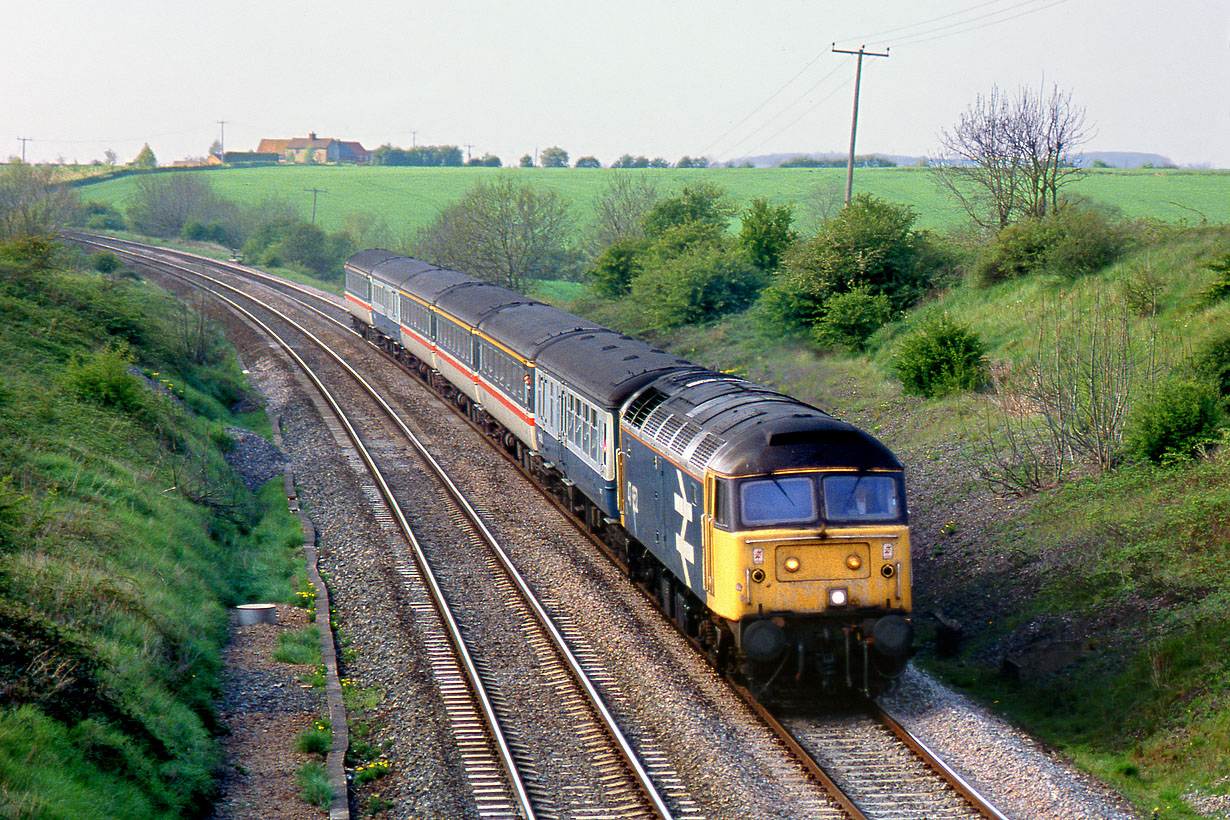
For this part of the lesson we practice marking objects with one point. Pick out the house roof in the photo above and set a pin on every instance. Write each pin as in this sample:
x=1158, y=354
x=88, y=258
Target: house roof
x=272, y=146
x=299, y=143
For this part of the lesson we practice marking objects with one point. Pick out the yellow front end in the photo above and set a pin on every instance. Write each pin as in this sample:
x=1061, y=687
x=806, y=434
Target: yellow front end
x=829, y=571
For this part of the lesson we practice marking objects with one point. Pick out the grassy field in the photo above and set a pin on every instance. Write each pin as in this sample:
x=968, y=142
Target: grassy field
x=407, y=198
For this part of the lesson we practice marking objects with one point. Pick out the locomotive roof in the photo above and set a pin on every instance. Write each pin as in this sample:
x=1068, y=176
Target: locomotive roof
x=366, y=260
x=606, y=366
x=528, y=327
x=736, y=427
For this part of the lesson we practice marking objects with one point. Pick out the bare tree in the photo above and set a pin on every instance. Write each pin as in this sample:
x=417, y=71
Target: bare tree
x=32, y=203
x=505, y=231
x=1066, y=408
x=1008, y=156
x=823, y=202
x=619, y=210
x=161, y=205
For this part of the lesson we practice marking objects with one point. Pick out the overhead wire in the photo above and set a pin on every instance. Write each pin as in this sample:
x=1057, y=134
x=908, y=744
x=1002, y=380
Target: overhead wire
x=915, y=34
x=789, y=106
x=925, y=39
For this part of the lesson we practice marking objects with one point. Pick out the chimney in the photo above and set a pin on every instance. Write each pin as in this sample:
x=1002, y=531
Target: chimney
x=312, y=135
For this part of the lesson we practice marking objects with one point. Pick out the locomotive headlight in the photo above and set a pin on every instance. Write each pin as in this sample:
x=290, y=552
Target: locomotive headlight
x=792, y=564
x=838, y=597
x=854, y=562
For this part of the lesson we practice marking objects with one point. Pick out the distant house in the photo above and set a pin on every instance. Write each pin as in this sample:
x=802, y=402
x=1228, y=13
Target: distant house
x=311, y=149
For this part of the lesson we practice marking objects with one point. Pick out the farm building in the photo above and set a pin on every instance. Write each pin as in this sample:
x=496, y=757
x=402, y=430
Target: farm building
x=312, y=149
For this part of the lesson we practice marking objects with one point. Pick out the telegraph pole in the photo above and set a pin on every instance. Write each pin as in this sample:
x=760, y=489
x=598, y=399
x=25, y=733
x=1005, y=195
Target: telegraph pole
x=315, y=191
x=858, y=76
x=23, y=141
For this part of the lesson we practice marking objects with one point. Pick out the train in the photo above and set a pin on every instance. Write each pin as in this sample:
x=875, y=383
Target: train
x=773, y=534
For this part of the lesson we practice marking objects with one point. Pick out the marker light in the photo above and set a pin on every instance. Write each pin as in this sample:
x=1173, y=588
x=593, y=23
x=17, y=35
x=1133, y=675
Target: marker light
x=838, y=597
x=854, y=562
x=792, y=565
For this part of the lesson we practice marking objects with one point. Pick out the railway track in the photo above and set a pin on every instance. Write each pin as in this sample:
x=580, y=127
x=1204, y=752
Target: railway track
x=868, y=762
x=506, y=775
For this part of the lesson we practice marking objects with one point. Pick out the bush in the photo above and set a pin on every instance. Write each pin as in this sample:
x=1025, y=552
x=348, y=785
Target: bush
x=939, y=358
x=1070, y=242
x=871, y=244
x=105, y=262
x=849, y=319
x=697, y=287
x=103, y=378
x=198, y=231
x=1213, y=361
x=1219, y=288
x=616, y=267
x=1176, y=422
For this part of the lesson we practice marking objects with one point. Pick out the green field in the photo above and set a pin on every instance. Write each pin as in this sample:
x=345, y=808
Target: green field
x=407, y=198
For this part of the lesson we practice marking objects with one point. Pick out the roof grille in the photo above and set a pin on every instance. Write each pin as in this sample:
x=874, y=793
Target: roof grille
x=672, y=426
x=655, y=421
x=644, y=404
x=709, y=445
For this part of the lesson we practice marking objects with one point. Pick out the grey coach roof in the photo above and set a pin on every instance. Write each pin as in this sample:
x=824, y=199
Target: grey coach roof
x=366, y=260
x=471, y=301
x=605, y=365
x=528, y=327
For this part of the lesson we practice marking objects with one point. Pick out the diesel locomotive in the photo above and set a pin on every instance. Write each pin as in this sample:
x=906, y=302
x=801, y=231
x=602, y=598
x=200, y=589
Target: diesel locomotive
x=773, y=534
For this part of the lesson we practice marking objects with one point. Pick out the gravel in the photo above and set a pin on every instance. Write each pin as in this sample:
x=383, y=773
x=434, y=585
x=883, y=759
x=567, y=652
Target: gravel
x=1021, y=776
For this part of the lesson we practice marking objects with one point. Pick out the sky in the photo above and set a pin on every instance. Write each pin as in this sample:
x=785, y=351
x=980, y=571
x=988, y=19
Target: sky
x=727, y=79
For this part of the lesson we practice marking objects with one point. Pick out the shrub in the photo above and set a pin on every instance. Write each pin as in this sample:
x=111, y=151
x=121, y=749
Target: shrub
x=1219, y=288
x=939, y=358
x=698, y=286
x=1213, y=361
x=198, y=231
x=871, y=244
x=849, y=319
x=100, y=216
x=103, y=378
x=1175, y=422
x=616, y=267
x=1071, y=242
x=105, y=262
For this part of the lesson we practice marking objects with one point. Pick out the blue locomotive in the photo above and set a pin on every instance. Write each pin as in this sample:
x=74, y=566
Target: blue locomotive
x=772, y=533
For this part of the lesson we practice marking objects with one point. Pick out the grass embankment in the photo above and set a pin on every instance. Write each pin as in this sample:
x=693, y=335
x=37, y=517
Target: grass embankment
x=407, y=199
x=1107, y=593
x=124, y=537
